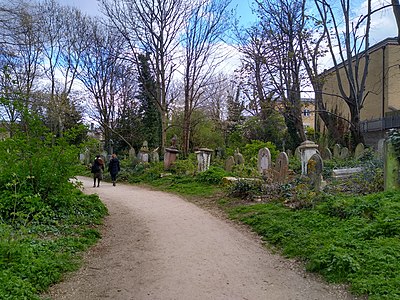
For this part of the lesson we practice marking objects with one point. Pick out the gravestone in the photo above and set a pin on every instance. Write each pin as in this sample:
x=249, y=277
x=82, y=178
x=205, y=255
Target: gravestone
x=307, y=149
x=143, y=154
x=239, y=159
x=326, y=154
x=336, y=150
x=203, y=159
x=289, y=153
x=281, y=167
x=229, y=163
x=170, y=154
x=315, y=166
x=391, y=168
x=264, y=161
x=359, y=151
x=154, y=156
x=297, y=153
x=132, y=153
x=381, y=147
x=344, y=153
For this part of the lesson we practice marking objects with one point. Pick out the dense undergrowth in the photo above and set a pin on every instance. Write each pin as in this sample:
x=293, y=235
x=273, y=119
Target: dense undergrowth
x=46, y=222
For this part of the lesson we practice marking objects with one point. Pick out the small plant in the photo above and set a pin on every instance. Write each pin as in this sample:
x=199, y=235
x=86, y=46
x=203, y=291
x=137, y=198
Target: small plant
x=245, y=189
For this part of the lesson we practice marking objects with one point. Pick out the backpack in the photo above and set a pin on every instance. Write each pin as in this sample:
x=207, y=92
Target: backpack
x=95, y=168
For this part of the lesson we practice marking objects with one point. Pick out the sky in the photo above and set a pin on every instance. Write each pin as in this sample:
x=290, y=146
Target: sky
x=383, y=23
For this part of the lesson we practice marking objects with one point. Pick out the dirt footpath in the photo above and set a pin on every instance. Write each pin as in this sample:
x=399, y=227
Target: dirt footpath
x=158, y=246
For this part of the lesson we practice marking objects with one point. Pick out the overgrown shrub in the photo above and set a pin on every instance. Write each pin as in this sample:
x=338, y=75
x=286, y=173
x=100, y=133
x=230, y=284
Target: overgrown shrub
x=213, y=175
x=245, y=189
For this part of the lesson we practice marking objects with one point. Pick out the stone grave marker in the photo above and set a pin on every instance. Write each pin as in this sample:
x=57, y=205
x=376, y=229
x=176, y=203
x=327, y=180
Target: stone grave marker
x=336, y=150
x=359, y=151
x=229, y=163
x=203, y=159
x=264, y=161
x=307, y=149
x=381, y=147
x=239, y=159
x=281, y=167
x=326, y=153
x=315, y=166
x=344, y=153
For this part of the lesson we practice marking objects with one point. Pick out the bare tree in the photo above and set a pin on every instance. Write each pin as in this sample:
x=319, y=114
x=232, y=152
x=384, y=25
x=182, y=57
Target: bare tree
x=21, y=47
x=101, y=71
x=152, y=26
x=283, y=24
x=350, y=54
x=205, y=28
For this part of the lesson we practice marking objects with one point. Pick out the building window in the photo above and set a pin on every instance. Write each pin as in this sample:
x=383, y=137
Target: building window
x=306, y=113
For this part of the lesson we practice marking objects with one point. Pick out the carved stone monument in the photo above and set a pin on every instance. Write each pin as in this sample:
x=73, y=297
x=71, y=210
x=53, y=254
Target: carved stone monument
x=307, y=149
x=143, y=154
x=170, y=154
x=264, y=161
x=203, y=159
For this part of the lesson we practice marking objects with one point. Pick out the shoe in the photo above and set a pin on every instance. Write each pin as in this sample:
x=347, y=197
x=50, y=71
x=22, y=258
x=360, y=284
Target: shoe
x=113, y=183
x=98, y=185
x=94, y=186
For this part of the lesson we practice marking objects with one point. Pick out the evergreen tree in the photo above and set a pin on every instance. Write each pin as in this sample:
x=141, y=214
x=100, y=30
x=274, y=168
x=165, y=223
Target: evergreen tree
x=150, y=115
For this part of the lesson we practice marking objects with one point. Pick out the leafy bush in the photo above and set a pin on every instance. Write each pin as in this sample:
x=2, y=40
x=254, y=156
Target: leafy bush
x=213, y=175
x=245, y=189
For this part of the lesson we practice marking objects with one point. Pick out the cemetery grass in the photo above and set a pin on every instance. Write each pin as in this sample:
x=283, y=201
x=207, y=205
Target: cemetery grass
x=36, y=254
x=347, y=239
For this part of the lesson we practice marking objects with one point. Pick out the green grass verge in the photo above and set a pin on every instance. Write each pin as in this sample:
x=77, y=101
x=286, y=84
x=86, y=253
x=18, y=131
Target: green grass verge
x=36, y=255
x=354, y=240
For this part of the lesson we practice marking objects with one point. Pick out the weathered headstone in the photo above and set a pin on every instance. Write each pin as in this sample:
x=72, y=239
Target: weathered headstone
x=315, y=166
x=307, y=149
x=381, y=147
x=344, y=153
x=239, y=159
x=229, y=164
x=359, y=151
x=336, y=150
x=289, y=153
x=391, y=168
x=154, y=156
x=264, y=160
x=170, y=154
x=326, y=153
x=203, y=159
x=143, y=154
x=132, y=153
x=297, y=153
x=281, y=167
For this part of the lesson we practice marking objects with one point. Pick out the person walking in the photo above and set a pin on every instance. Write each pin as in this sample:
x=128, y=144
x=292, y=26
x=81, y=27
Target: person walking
x=97, y=170
x=114, y=168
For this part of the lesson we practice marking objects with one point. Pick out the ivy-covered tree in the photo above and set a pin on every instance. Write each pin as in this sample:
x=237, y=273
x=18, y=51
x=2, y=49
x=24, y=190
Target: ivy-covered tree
x=150, y=116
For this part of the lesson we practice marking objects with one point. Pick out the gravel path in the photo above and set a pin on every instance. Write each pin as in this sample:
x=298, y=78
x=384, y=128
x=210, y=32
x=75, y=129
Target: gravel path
x=158, y=246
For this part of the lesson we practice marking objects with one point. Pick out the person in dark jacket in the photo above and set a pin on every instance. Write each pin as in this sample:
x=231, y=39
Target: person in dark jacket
x=114, y=168
x=97, y=170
